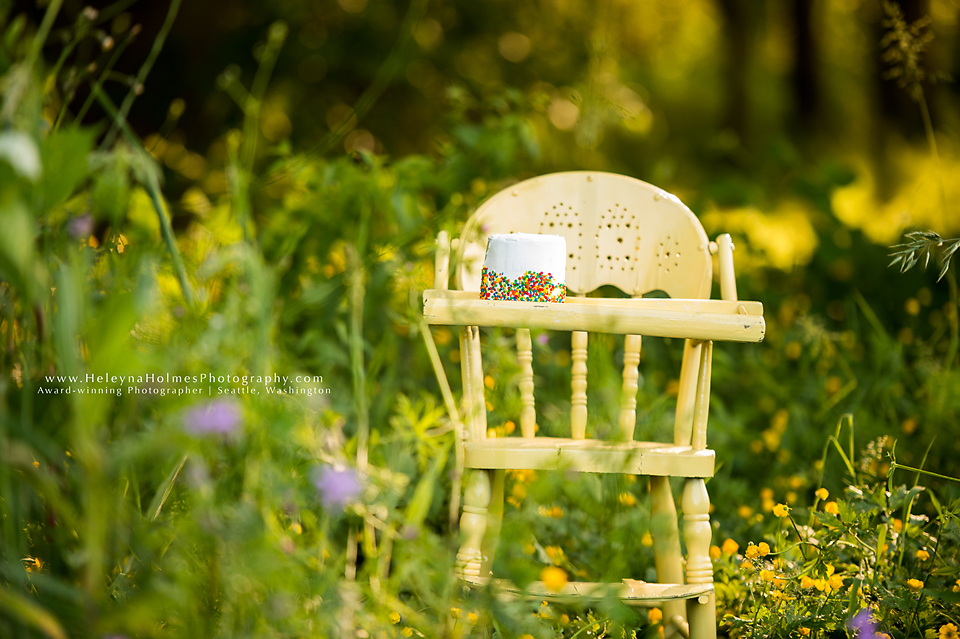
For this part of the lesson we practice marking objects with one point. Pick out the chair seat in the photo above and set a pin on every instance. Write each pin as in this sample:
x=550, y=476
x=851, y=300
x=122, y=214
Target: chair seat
x=630, y=591
x=589, y=456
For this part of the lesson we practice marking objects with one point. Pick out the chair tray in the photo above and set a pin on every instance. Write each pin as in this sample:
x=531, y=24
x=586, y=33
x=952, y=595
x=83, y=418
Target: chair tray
x=630, y=591
x=589, y=456
x=681, y=318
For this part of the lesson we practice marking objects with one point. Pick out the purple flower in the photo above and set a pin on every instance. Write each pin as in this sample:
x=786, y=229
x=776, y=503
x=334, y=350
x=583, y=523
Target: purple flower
x=410, y=532
x=337, y=487
x=219, y=417
x=863, y=624
x=80, y=227
x=542, y=339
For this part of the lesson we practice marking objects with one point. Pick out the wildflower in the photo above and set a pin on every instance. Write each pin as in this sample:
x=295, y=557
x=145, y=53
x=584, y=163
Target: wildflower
x=767, y=575
x=730, y=547
x=337, y=487
x=489, y=382
x=655, y=615
x=863, y=624
x=752, y=552
x=555, y=553
x=822, y=493
x=763, y=548
x=831, y=508
x=81, y=226
x=914, y=584
x=646, y=540
x=455, y=612
x=407, y=631
x=766, y=493
x=835, y=582
x=805, y=632
x=296, y=528
x=519, y=491
x=781, y=510
x=745, y=511
x=956, y=586
x=948, y=631
x=509, y=427
x=923, y=555
x=898, y=525
x=472, y=618
x=564, y=620
x=806, y=582
x=746, y=566
x=527, y=636
x=627, y=499
x=542, y=339
x=553, y=578
x=715, y=552
x=219, y=417
x=394, y=617
x=881, y=635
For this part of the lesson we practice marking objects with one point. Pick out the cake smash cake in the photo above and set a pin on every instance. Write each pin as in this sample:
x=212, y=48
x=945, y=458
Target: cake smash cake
x=525, y=267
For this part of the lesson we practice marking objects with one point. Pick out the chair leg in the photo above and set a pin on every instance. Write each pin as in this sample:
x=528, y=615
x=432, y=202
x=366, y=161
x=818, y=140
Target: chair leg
x=702, y=612
x=666, y=551
x=491, y=538
x=473, y=525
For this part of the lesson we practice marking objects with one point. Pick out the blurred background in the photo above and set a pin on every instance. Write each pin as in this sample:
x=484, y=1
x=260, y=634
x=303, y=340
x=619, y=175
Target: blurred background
x=307, y=153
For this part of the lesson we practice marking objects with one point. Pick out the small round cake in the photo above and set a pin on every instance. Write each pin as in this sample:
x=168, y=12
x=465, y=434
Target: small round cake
x=525, y=267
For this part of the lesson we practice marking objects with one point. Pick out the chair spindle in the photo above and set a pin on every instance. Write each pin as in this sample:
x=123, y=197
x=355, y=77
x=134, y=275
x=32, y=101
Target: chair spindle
x=631, y=375
x=687, y=393
x=528, y=412
x=578, y=400
x=701, y=412
x=471, y=368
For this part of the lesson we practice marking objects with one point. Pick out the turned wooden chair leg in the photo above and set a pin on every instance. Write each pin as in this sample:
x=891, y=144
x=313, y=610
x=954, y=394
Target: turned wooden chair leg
x=666, y=552
x=473, y=526
x=701, y=612
x=491, y=538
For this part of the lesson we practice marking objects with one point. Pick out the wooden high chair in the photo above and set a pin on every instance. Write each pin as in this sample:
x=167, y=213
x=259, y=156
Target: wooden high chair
x=625, y=233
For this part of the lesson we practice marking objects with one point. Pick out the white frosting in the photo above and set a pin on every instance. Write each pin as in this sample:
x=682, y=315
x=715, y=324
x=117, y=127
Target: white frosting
x=514, y=254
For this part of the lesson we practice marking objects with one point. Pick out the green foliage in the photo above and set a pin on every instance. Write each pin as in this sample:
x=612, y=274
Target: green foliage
x=149, y=513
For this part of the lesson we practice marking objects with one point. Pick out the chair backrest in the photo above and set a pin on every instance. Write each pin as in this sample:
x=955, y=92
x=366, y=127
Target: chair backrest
x=619, y=231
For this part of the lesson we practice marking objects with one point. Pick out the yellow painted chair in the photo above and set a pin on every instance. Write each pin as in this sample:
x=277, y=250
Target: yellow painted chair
x=625, y=233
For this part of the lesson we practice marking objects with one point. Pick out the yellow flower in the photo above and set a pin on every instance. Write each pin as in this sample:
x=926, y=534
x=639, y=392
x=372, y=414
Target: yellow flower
x=394, y=617
x=553, y=578
x=781, y=510
x=923, y=555
x=526, y=636
x=767, y=575
x=835, y=581
x=472, y=618
x=455, y=613
x=898, y=525
x=646, y=540
x=764, y=548
x=627, y=499
x=956, y=587
x=564, y=620
x=948, y=631
x=556, y=512
x=730, y=547
x=831, y=508
x=555, y=553
x=753, y=551
x=509, y=427
x=914, y=584
x=746, y=566
x=655, y=615
x=407, y=631
x=881, y=635
x=519, y=491
x=805, y=632
x=489, y=382
x=806, y=582
x=745, y=511
x=822, y=493
x=715, y=552
x=296, y=528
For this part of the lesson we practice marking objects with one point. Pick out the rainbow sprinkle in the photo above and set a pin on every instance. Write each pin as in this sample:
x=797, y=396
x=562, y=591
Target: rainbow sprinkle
x=529, y=287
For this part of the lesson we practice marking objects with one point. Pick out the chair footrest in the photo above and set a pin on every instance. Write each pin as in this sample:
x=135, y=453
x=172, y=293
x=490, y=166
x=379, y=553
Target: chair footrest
x=630, y=591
